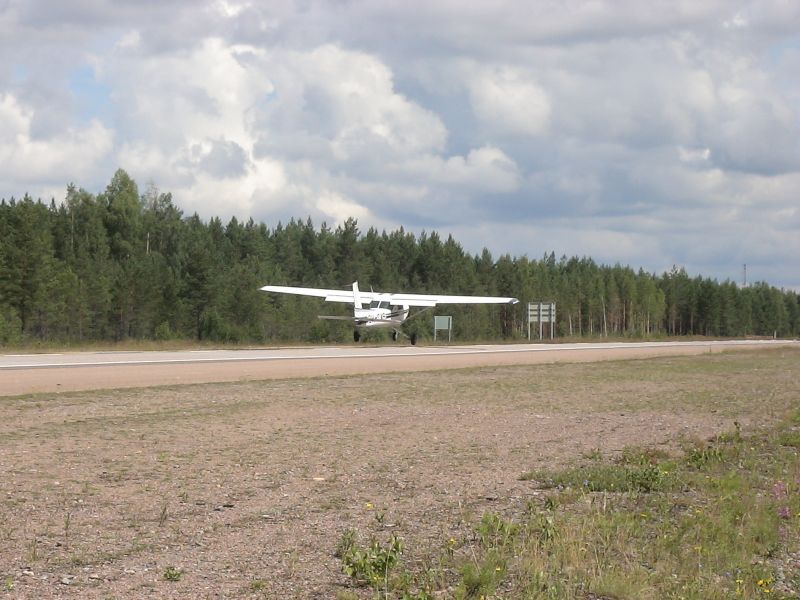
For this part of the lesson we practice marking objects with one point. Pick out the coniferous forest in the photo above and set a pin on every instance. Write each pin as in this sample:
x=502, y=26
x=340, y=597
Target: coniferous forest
x=128, y=265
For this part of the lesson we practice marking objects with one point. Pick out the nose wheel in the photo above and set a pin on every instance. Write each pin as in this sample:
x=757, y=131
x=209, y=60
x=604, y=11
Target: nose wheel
x=395, y=335
x=413, y=339
x=356, y=335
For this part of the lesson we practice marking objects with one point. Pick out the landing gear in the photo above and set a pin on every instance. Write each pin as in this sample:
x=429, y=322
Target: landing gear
x=356, y=336
x=413, y=338
x=395, y=335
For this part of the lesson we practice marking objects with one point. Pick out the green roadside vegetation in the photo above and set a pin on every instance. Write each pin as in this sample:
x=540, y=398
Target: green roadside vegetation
x=720, y=520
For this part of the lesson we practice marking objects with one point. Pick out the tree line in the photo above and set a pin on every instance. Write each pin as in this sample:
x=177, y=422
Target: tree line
x=128, y=265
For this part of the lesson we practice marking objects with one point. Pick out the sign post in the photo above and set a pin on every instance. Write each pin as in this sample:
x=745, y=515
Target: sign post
x=542, y=312
x=441, y=323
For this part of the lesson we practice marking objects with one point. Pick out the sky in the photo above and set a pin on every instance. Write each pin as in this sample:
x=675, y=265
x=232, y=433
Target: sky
x=650, y=134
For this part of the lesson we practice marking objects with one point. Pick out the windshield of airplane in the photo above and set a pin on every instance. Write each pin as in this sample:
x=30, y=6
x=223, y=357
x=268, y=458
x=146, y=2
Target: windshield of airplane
x=377, y=304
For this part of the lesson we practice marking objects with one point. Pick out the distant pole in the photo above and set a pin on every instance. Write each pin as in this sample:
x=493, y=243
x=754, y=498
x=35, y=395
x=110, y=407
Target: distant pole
x=744, y=284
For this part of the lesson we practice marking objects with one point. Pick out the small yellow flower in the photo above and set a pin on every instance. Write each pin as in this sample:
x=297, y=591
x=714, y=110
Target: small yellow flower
x=370, y=506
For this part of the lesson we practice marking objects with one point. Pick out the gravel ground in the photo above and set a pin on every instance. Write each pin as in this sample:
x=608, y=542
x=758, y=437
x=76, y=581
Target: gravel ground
x=247, y=488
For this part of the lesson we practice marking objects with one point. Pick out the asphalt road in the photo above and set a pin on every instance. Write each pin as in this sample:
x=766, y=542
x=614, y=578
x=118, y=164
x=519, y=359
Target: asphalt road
x=36, y=373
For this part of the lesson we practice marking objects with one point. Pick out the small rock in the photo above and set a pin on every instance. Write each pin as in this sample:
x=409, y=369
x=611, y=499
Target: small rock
x=66, y=580
x=28, y=573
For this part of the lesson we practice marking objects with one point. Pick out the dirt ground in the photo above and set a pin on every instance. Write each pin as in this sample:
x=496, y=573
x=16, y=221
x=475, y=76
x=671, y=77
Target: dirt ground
x=247, y=488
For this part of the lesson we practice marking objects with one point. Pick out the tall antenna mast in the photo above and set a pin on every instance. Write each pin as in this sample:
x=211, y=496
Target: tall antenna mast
x=745, y=276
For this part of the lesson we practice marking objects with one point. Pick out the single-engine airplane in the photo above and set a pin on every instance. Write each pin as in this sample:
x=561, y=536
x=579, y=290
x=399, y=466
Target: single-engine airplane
x=385, y=310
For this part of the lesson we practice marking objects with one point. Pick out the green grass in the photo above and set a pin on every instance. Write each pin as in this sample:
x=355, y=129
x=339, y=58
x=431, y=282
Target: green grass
x=172, y=574
x=720, y=521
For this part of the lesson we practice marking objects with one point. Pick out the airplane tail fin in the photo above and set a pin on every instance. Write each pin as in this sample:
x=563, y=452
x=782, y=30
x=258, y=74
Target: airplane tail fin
x=356, y=295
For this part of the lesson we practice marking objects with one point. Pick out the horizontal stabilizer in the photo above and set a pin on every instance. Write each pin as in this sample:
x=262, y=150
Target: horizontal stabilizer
x=336, y=318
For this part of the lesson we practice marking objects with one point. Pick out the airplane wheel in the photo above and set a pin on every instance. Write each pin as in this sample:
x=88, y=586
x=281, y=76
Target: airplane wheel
x=413, y=339
x=356, y=336
x=394, y=336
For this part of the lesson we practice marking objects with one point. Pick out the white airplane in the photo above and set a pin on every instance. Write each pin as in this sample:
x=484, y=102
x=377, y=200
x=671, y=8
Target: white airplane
x=385, y=310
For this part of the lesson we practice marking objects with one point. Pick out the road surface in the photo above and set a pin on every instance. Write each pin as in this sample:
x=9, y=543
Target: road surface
x=38, y=373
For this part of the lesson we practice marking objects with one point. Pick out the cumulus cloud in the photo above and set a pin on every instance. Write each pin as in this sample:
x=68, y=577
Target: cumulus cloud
x=509, y=101
x=650, y=133
x=28, y=160
x=344, y=106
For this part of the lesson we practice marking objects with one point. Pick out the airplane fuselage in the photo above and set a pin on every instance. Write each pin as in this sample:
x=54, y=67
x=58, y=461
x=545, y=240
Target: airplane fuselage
x=381, y=313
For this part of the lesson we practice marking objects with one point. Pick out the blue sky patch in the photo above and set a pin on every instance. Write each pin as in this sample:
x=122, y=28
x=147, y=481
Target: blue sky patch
x=92, y=97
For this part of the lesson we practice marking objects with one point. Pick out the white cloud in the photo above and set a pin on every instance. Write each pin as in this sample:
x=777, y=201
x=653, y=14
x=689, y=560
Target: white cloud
x=693, y=155
x=345, y=104
x=650, y=133
x=509, y=101
x=338, y=209
x=132, y=39
x=62, y=157
x=485, y=169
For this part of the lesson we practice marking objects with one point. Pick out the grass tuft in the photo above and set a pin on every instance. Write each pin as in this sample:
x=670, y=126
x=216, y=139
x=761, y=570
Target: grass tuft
x=722, y=521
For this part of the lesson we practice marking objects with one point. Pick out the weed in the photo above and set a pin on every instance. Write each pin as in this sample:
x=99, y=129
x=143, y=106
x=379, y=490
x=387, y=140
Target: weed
x=346, y=543
x=173, y=574
x=715, y=524
x=607, y=478
x=162, y=518
x=702, y=457
x=545, y=527
x=480, y=579
x=371, y=565
x=258, y=585
x=496, y=532
x=420, y=595
x=33, y=554
x=641, y=457
x=67, y=522
x=731, y=437
x=593, y=454
x=789, y=438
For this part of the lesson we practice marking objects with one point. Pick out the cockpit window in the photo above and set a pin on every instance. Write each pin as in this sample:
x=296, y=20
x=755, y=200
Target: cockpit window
x=374, y=304
x=384, y=305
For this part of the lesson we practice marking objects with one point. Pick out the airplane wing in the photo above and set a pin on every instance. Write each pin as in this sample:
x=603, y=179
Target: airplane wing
x=328, y=295
x=433, y=300
x=395, y=299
